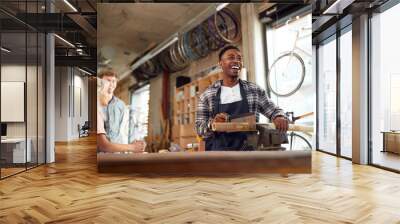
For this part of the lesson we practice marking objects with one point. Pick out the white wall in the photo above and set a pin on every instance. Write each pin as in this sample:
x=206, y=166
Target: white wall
x=12, y=73
x=70, y=84
x=80, y=103
x=33, y=127
x=61, y=103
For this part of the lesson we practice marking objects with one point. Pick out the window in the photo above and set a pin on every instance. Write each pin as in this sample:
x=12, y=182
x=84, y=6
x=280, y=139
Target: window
x=22, y=76
x=346, y=93
x=139, y=113
x=327, y=96
x=385, y=85
x=291, y=38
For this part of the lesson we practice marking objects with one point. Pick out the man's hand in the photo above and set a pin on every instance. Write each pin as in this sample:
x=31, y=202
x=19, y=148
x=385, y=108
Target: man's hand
x=221, y=117
x=281, y=124
x=137, y=146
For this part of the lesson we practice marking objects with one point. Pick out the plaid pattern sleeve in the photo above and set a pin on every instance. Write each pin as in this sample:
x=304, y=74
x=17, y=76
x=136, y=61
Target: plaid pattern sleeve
x=203, y=113
x=266, y=106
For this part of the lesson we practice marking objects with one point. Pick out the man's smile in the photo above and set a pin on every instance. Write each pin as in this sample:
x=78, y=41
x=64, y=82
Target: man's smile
x=235, y=68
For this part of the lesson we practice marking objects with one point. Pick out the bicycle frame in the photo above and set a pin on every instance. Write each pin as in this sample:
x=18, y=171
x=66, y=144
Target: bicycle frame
x=291, y=56
x=296, y=47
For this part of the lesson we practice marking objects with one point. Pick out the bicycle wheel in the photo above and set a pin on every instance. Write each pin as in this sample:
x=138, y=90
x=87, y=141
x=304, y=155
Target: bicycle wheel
x=230, y=24
x=298, y=142
x=216, y=41
x=286, y=74
x=199, y=42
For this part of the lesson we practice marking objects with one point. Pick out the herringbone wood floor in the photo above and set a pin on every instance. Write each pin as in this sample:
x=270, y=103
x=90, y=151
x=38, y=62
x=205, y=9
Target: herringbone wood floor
x=71, y=191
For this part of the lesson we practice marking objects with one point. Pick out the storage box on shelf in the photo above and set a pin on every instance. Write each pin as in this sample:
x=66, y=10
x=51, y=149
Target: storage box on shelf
x=391, y=141
x=186, y=99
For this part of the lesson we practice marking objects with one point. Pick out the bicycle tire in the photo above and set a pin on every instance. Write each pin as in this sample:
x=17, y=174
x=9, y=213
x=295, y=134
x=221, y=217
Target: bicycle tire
x=303, y=73
x=187, y=47
x=218, y=41
x=151, y=67
x=176, y=57
x=199, y=42
x=182, y=50
x=191, y=44
x=180, y=53
x=211, y=43
x=293, y=134
x=231, y=16
x=177, y=62
x=162, y=59
x=166, y=62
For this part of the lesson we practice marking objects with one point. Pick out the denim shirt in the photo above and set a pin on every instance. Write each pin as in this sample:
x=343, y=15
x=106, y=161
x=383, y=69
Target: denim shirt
x=116, y=121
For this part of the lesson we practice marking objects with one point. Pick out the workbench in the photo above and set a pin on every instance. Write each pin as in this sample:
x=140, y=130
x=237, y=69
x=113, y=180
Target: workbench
x=218, y=162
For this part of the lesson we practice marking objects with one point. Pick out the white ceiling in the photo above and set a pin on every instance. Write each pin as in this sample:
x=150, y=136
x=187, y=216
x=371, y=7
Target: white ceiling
x=126, y=30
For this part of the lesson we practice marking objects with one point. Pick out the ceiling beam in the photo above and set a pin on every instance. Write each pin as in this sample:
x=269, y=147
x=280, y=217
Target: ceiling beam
x=49, y=22
x=81, y=61
x=84, y=24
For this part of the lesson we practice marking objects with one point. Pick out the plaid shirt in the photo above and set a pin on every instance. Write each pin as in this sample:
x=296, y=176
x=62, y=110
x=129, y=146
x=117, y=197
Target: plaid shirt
x=257, y=99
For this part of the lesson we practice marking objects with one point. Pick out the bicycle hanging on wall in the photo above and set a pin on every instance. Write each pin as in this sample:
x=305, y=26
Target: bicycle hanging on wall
x=288, y=71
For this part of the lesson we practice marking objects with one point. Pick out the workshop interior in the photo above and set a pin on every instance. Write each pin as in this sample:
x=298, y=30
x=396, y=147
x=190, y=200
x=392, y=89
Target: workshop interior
x=106, y=90
x=165, y=75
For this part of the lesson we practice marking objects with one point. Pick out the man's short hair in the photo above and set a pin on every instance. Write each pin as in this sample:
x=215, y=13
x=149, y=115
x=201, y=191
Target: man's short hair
x=229, y=47
x=107, y=72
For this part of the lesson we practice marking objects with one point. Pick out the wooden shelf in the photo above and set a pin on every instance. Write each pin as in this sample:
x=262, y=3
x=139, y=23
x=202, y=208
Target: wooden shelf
x=183, y=130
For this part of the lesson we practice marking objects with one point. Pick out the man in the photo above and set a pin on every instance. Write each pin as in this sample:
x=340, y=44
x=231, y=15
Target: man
x=233, y=97
x=112, y=118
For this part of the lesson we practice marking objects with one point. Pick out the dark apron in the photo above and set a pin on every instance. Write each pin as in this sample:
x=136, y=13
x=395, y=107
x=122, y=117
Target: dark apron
x=222, y=141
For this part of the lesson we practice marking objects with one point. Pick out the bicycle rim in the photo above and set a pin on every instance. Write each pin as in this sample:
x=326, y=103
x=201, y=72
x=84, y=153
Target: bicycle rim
x=230, y=15
x=299, y=142
x=299, y=83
